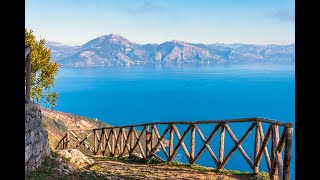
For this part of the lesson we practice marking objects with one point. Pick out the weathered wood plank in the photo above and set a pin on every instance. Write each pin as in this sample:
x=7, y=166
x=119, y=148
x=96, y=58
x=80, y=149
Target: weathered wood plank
x=171, y=141
x=193, y=122
x=117, y=147
x=113, y=142
x=279, y=156
x=282, y=140
x=59, y=143
x=104, y=142
x=207, y=122
x=138, y=142
x=180, y=143
x=107, y=143
x=152, y=137
x=256, y=147
x=121, y=147
x=125, y=142
x=147, y=137
x=238, y=145
x=287, y=154
x=68, y=140
x=84, y=139
x=131, y=140
x=161, y=138
x=192, y=143
x=274, y=145
x=263, y=147
x=206, y=144
x=221, y=151
x=127, y=145
x=84, y=142
x=289, y=124
x=159, y=142
x=99, y=139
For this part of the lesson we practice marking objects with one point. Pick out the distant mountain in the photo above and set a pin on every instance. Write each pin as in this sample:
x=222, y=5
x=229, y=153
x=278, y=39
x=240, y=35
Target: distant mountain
x=59, y=50
x=106, y=50
x=115, y=50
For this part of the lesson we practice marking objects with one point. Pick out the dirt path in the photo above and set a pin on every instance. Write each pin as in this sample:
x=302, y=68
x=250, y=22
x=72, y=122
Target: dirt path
x=126, y=170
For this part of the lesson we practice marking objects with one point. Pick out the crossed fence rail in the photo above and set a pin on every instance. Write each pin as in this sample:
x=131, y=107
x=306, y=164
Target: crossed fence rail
x=117, y=141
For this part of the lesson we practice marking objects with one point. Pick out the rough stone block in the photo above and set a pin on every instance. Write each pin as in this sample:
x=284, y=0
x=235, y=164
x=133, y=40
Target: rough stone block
x=26, y=127
x=31, y=125
x=32, y=113
x=35, y=124
x=38, y=158
x=36, y=137
x=45, y=134
x=28, y=118
x=36, y=149
x=41, y=135
x=28, y=152
x=27, y=139
x=31, y=164
x=47, y=150
x=32, y=134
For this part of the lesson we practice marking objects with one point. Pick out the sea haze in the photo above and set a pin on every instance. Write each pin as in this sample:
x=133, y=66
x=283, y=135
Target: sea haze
x=123, y=96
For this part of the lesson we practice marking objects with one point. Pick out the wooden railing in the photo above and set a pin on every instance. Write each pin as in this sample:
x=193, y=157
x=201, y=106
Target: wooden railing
x=28, y=72
x=126, y=140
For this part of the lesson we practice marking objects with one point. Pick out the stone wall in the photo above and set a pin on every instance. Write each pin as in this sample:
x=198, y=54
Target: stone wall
x=36, y=138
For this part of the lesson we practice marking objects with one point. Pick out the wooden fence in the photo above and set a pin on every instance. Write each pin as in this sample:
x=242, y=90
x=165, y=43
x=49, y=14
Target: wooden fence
x=119, y=141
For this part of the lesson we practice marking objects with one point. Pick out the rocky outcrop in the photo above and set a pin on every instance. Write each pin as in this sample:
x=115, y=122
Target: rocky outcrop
x=36, y=138
x=75, y=157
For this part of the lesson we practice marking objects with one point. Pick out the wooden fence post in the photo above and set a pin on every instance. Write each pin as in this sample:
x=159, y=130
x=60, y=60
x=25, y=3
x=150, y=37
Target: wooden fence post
x=287, y=154
x=152, y=137
x=94, y=142
x=256, y=147
x=68, y=140
x=171, y=141
x=274, y=145
x=192, y=143
x=121, y=145
x=113, y=141
x=147, y=140
x=28, y=77
x=103, y=141
x=132, y=141
x=221, y=143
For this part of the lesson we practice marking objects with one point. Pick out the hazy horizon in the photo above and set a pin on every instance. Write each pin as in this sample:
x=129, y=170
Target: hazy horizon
x=231, y=43
x=144, y=21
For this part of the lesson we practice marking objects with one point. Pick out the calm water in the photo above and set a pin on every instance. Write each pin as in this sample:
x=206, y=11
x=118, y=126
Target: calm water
x=121, y=96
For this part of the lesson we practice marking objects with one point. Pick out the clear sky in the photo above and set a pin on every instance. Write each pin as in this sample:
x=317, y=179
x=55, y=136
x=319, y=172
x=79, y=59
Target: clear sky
x=74, y=22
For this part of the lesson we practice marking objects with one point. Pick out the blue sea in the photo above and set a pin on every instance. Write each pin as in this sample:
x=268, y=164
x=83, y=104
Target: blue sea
x=133, y=95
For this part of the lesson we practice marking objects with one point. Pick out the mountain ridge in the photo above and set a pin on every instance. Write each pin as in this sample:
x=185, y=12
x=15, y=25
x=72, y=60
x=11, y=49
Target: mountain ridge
x=116, y=50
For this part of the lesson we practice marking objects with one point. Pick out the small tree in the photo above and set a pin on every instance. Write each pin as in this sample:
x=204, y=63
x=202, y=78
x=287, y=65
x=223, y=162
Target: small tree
x=43, y=71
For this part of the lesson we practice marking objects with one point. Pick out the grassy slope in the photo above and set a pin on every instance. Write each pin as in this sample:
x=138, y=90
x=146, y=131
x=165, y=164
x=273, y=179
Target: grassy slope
x=57, y=124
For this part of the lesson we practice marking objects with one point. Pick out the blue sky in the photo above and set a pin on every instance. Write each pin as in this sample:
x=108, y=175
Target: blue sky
x=75, y=22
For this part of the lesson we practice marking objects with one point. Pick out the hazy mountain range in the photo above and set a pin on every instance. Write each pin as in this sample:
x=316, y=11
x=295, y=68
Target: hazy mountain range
x=115, y=50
